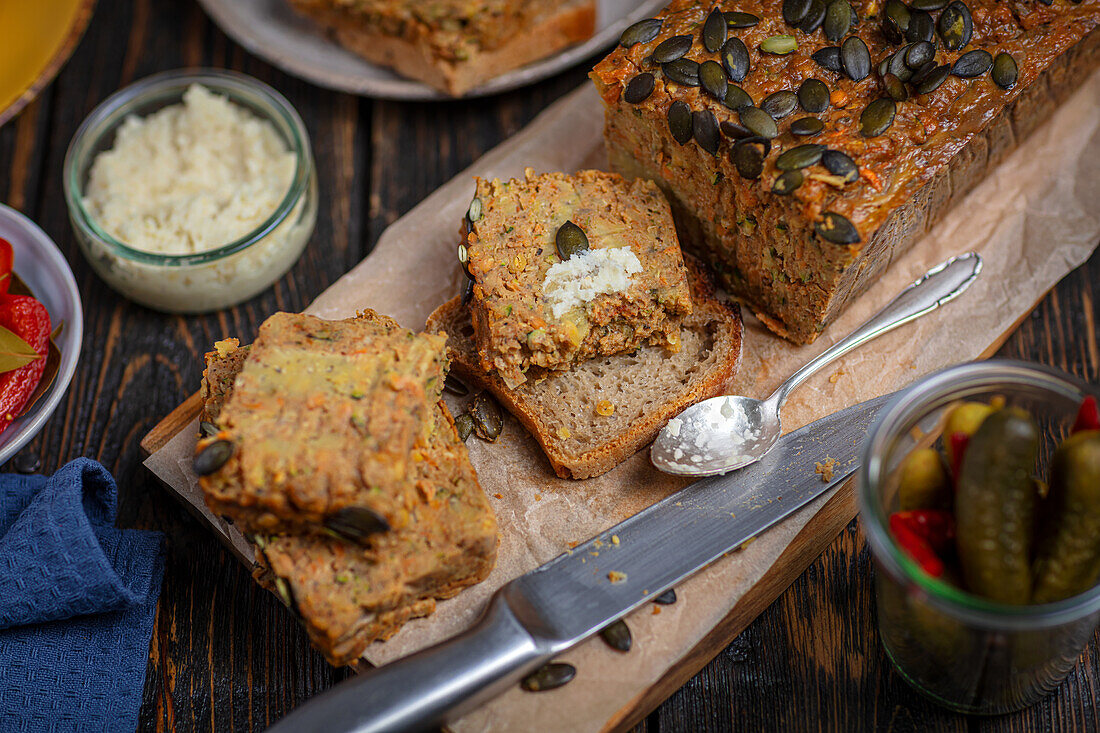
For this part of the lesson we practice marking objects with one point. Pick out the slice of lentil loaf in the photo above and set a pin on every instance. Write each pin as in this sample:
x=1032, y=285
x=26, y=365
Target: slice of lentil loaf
x=322, y=418
x=536, y=306
x=348, y=594
x=915, y=107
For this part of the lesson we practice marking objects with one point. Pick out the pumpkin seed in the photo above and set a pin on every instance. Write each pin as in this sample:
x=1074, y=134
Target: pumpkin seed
x=475, y=211
x=835, y=228
x=955, y=26
x=679, y=122
x=643, y=31
x=748, y=156
x=736, y=98
x=932, y=81
x=787, y=182
x=735, y=57
x=855, y=17
x=922, y=73
x=828, y=58
x=467, y=292
x=734, y=130
x=900, y=13
x=570, y=240
x=839, y=164
x=780, y=104
x=714, y=31
x=1005, y=71
x=807, y=127
x=208, y=429
x=617, y=635
x=713, y=79
x=972, y=63
x=895, y=87
x=795, y=10
x=704, y=125
x=877, y=117
x=921, y=27
x=682, y=71
x=897, y=65
x=838, y=19
x=487, y=418
x=453, y=385
x=356, y=523
x=800, y=156
x=759, y=121
x=815, y=16
x=671, y=49
x=813, y=95
x=549, y=677
x=855, y=58
x=464, y=423
x=779, y=45
x=919, y=54
x=212, y=456
x=667, y=598
x=286, y=595
x=928, y=6
x=891, y=31
x=638, y=89
x=735, y=19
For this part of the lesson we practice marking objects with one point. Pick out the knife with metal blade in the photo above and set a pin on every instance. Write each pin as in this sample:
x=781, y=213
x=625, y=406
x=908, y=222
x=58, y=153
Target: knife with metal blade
x=570, y=598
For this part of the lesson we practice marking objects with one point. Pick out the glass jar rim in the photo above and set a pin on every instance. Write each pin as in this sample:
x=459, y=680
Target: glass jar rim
x=110, y=113
x=913, y=401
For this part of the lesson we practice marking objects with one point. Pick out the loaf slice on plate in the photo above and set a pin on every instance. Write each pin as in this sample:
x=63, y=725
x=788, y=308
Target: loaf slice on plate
x=596, y=415
x=453, y=45
x=348, y=594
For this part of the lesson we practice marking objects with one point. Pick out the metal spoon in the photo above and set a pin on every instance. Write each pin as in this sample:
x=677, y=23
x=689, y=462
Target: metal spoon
x=724, y=433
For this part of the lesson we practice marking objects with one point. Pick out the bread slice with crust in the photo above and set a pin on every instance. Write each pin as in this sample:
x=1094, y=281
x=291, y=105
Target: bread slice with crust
x=594, y=416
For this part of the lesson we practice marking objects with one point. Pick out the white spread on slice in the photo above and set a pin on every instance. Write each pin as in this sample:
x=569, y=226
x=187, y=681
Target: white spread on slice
x=582, y=277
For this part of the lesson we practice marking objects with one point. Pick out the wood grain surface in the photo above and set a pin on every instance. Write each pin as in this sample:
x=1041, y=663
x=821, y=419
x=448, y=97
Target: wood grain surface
x=226, y=655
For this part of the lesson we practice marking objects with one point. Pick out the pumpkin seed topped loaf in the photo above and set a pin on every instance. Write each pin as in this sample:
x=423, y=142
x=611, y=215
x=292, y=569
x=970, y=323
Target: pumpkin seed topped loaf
x=804, y=144
x=454, y=45
x=318, y=431
x=565, y=268
x=350, y=594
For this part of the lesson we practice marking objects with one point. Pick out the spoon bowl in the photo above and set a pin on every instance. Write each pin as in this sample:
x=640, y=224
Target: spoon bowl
x=725, y=433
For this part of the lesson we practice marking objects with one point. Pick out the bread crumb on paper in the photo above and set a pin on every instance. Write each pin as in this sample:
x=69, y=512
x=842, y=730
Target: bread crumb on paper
x=616, y=577
x=825, y=469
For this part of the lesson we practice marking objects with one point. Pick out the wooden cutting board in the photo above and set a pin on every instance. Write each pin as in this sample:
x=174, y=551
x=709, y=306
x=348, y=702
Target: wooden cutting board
x=412, y=269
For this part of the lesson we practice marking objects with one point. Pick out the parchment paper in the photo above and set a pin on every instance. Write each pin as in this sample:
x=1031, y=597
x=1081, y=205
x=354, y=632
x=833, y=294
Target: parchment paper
x=1036, y=218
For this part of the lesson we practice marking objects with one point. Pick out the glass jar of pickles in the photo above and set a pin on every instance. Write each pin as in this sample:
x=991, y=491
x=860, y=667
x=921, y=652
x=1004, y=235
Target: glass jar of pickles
x=979, y=494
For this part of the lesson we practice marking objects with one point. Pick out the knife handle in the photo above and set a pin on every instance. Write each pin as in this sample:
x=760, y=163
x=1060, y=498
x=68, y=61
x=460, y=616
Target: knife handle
x=424, y=690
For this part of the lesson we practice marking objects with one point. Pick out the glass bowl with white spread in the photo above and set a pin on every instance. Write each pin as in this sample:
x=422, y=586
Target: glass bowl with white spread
x=193, y=190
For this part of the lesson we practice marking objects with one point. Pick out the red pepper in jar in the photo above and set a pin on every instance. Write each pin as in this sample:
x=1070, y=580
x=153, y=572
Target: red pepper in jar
x=959, y=441
x=1088, y=416
x=7, y=258
x=27, y=318
x=916, y=547
x=934, y=526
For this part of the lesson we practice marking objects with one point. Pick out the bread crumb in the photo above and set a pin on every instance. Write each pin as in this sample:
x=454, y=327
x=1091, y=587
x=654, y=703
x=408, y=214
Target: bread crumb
x=499, y=496
x=616, y=577
x=538, y=497
x=572, y=544
x=746, y=543
x=835, y=376
x=656, y=610
x=825, y=469
x=614, y=539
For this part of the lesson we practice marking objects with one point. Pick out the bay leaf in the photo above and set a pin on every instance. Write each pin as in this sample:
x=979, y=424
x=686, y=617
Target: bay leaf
x=14, y=351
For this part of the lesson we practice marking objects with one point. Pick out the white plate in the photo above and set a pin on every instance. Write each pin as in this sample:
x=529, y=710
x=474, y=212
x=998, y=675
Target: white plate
x=272, y=30
x=40, y=264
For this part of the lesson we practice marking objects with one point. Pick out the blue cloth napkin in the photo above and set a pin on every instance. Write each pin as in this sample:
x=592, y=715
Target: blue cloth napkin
x=77, y=603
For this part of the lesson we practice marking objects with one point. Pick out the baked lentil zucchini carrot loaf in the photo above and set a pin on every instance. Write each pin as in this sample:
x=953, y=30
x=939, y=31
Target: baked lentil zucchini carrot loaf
x=565, y=268
x=804, y=144
x=321, y=422
x=454, y=45
x=350, y=594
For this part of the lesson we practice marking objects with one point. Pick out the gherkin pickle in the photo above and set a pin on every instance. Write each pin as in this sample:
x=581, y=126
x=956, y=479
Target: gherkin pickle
x=995, y=504
x=1068, y=556
x=965, y=417
x=923, y=483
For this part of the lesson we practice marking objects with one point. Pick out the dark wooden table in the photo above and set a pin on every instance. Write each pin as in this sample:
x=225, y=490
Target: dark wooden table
x=226, y=655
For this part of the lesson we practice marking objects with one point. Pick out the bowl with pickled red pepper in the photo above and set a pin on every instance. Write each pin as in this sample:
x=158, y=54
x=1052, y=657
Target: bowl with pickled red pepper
x=980, y=498
x=41, y=328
